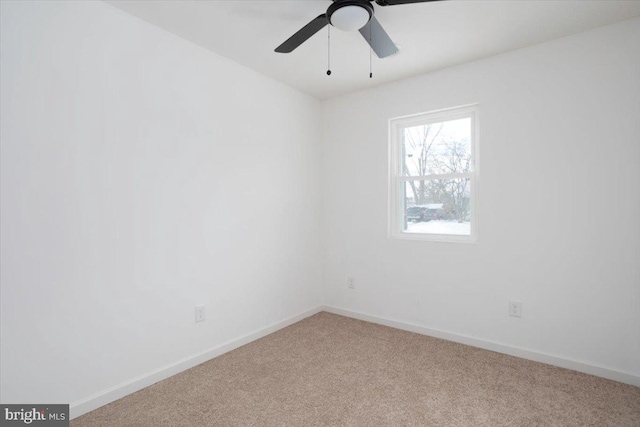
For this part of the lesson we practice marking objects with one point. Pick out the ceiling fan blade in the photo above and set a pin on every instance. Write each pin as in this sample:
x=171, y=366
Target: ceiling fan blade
x=303, y=34
x=378, y=39
x=395, y=2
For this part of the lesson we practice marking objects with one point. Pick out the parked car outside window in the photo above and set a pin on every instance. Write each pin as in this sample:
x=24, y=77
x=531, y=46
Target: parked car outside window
x=415, y=213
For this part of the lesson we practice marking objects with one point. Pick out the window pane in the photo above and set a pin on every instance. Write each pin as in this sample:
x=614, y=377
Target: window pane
x=437, y=148
x=438, y=206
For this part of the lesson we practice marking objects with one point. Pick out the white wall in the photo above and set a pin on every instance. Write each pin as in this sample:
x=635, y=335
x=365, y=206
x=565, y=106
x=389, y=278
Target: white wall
x=559, y=204
x=142, y=175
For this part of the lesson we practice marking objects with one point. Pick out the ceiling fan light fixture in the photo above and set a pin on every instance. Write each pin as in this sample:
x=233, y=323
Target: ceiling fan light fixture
x=350, y=16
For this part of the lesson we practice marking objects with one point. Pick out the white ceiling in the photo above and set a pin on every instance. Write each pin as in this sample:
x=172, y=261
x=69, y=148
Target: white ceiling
x=431, y=35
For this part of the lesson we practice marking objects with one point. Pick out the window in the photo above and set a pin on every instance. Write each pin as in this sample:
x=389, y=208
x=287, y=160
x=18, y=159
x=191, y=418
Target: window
x=433, y=175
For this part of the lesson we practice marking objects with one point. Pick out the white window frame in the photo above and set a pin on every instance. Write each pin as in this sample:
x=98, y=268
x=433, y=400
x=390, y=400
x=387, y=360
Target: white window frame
x=397, y=179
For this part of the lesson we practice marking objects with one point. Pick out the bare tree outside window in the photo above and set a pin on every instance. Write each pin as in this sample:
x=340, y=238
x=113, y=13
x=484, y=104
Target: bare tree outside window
x=418, y=144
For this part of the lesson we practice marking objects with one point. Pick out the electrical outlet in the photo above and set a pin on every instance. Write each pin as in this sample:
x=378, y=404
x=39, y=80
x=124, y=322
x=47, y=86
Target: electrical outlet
x=515, y=309
x=201, y=313
x=351, y=283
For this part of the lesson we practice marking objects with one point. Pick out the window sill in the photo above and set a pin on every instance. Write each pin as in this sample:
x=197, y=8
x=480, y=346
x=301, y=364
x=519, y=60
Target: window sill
x=446, y=238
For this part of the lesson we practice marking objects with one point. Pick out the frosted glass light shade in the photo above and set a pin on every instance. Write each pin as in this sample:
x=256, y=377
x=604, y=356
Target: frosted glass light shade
x=350, y=18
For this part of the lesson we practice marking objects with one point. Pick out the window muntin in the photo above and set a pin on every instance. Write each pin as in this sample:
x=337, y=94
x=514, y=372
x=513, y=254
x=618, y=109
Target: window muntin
x=433, y=178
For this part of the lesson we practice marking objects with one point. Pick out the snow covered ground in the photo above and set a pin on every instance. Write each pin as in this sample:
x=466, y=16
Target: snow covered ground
x=440, y=227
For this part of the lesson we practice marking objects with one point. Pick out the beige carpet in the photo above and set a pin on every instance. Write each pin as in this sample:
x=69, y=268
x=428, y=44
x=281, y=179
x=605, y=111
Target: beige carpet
x=332, y=370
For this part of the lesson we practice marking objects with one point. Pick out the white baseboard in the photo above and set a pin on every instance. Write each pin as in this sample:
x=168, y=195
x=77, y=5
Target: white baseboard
x=562, y=362
x=119, y=391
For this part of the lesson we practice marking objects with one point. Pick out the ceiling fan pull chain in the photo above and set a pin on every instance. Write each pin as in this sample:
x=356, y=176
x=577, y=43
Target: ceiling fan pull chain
x=370, y=54
x=328, y=50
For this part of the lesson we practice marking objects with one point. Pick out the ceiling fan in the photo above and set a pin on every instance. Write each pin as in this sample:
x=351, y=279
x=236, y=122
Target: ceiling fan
x=350, y=15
